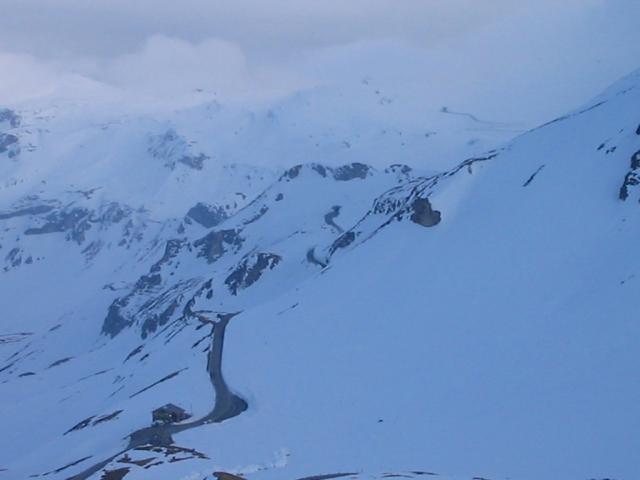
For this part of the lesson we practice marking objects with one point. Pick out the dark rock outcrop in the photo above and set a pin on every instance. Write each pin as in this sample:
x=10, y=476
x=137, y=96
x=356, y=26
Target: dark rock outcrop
x=153, y=321
x=74, y=221
x=533, y=176
x=14, y=257
x=147, y=305
x=351, y=172
x=193, y=161
x=291, y=173
x=342, y=174
x=423, y=214
x=398, y=168
x=150, y=303
x=343, y=241
x=215, y=244
x=226, y=476
x=257, y=216
x=632, y=178
x=11, y=118
x=80, y=425
x=34, y=210
x=9, y=144
x=115, y=321
x=207, y=215
x=174, y=149
x=171, y=250
x=249, y=271
x=311, y=258
x=107, y=417
x=320, y=169
x=329, y=218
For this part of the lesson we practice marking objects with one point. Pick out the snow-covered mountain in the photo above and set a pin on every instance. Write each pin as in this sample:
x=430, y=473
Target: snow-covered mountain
x=376, y=322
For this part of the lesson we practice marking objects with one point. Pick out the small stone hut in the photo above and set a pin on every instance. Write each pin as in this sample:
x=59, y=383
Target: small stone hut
x=169, y=413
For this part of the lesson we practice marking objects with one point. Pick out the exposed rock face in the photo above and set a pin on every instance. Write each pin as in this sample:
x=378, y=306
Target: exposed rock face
x=296, y=170
x=14, y=257
x=153, y=321
x=423, y=214
x=74, y=221
x=207, y=215
x=110, y=214
x=533, y=176
x=258, y=215
x=11, y=118
x=249, y=271
x=632, y=178
x=9, y=144
x=21, y=212
x=150, y=304
x=174, y=149
x=343, y=241
x=351, y=172
x=320, y=169
x=341, y=174
x=171, y=249
x=311, y=258
x=291, y=173
x=399, y=168
x=401, y=171
x=330, y=217
x=215, y=244
x=226, y=476
x=136, y=306
x=115, y=321
x=83, y=225
x=388, y=202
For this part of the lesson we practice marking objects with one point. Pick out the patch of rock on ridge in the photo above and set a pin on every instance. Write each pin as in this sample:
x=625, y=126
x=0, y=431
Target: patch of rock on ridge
x=344, y=173
x=632, y=178
x=174, y=149
x=424, y=214
x=10, y=117
x=249, y=271
x=343, y=241
x=215, y=244
x=207, y=215
x=9, y=143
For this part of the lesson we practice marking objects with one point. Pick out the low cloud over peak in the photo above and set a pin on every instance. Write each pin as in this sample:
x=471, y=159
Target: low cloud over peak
x=459, y=51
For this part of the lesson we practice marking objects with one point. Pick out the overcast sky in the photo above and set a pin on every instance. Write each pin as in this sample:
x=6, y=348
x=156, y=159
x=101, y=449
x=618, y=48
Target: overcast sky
x=269, y=27
x=564, y=49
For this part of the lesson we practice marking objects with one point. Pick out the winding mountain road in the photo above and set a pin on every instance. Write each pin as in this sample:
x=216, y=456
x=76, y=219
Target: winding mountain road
x=227, y=404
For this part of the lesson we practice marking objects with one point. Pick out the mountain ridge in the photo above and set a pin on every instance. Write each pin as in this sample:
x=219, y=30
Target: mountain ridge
x=383, y=320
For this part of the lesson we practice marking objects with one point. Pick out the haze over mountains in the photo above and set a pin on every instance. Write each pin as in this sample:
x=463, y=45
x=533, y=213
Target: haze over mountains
x=349, y=277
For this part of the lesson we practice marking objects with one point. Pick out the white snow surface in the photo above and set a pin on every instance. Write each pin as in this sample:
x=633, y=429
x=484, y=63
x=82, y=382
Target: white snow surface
x=500, y=343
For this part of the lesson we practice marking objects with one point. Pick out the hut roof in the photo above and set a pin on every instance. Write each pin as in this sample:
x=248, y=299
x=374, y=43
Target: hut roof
x=170, y=407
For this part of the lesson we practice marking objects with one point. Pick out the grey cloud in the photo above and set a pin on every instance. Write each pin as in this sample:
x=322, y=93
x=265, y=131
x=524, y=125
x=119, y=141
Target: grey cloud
x=275, y=27
x=508, y=58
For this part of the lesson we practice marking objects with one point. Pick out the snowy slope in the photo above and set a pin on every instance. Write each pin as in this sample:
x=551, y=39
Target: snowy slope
x=477, y=322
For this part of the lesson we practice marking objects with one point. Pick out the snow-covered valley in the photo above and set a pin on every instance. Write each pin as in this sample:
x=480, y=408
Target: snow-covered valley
x=319, y=308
